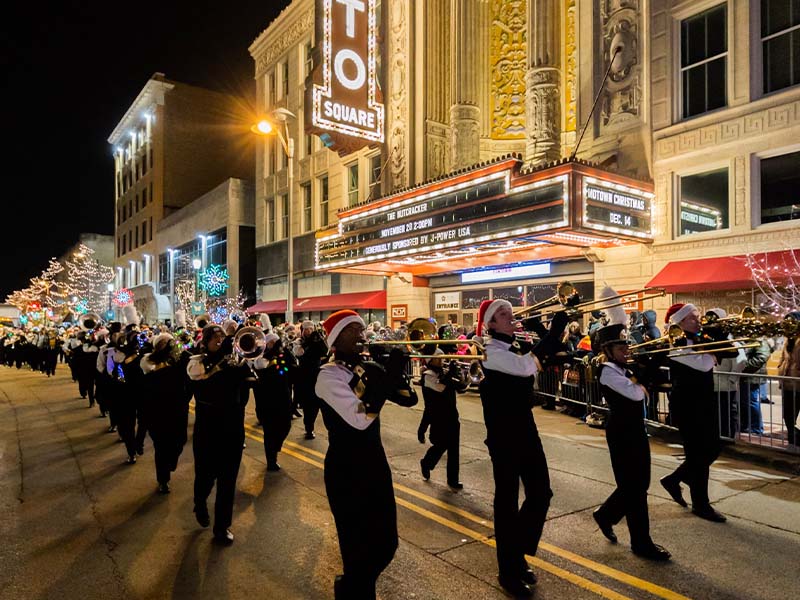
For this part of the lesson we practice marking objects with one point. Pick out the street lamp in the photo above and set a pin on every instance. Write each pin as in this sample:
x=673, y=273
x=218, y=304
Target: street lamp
x=110, y=289
x=266, y=127
x=196, y=264
x=172, y=252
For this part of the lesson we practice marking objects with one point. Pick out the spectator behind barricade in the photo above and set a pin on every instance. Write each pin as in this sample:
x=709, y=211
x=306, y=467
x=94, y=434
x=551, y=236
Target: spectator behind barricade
x=789, y=366
x=596, y=321
x=753, y=390
x=573, y=337
x=635, y=329
x=649, y=320
x=726, y=387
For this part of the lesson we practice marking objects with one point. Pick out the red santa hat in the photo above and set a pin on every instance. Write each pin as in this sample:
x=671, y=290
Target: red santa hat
x=334, y=324
x=678, y=312
x=487, y=310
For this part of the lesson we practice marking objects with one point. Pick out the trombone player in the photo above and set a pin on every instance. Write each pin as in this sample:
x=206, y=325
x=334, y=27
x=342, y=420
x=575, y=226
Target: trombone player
x=694, y=406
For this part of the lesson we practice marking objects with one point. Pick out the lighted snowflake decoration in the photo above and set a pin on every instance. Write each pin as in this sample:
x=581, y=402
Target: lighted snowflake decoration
x=23, y=319
x=81, y=307
x=214, y=280
x=218, y=314
x=123, y=297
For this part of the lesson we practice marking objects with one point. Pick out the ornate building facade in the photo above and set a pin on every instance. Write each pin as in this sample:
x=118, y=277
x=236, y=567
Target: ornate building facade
x=469, y=81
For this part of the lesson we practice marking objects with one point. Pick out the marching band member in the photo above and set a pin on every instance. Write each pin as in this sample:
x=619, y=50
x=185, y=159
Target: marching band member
x=125, y=374
x=272, y=390
x=216, y=382
x=85, y=357
x=627, y=444
x=312, y=351
x=439, y=389
x=694, y=406
x=514, y=445
x=358, y=480
x=166, y=395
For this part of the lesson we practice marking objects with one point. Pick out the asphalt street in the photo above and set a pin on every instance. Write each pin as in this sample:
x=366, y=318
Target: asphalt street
x=78, y=523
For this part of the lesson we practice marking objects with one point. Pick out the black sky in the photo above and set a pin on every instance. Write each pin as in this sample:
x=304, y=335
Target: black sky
x=70, y=71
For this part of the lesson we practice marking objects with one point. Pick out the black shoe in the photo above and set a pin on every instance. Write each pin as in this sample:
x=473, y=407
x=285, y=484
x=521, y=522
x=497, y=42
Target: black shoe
x=515, y=586
x=421, y=436
x=528, y=577
x=163, y=488
x=131, y=460
x=709, y=514
x=652, y=552
x=426, y=472
x=605, y=527
x=140, y=450
x=674, y=490
x=224, y=538
x=201, y=514
x=296, y=414
x=455, y=485
x=273, y=466
x=310, y=435
x=112, y=429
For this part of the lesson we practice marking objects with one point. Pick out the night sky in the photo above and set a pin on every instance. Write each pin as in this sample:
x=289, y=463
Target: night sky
x=70, y=71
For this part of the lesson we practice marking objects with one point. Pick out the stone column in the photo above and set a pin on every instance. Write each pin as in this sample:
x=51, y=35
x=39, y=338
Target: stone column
x=465, y=112
x=543, y=82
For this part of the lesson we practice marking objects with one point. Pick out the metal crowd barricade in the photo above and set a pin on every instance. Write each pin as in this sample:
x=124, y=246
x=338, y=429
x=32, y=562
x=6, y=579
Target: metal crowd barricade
x=756, y=409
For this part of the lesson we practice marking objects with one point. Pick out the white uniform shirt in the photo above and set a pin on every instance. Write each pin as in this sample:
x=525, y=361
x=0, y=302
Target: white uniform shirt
x=333, y=387
x=430, y=380
x=500, y=358
x=613, y=376
x=698, y=362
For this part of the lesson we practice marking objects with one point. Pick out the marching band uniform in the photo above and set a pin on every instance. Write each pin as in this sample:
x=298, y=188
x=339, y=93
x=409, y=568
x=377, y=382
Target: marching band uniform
x=439, y=388
x=85, y=357
x=628, y=447
x=124, y=386
x=272, y=390
x=165, y=402
x=310, y=356
x=218, y=430
x=694, y=406
x=358, y=480
x=516, y=451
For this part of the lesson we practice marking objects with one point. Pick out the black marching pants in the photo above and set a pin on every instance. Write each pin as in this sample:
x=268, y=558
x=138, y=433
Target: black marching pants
x=217, y=463
x=446, y=443
x=630, y=460
x=701, y=447
x=519, y=529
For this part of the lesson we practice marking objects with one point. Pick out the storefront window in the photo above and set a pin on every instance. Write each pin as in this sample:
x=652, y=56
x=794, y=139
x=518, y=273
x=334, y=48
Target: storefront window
x=471, y=299
x=703, y=202
x=515, y=295
x=780, y=182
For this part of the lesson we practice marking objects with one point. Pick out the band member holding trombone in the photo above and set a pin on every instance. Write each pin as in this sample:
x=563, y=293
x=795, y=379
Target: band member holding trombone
x=514, y=445
x=694, y=406
x=439, y=388
x=627, y=444
x=358, y=480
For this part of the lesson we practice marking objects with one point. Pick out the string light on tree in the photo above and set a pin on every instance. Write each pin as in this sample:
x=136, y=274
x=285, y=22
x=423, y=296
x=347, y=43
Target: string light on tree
x=777, y=280
x=184, y=293
x=214, y=280
x=123, y=297
x=81, y=307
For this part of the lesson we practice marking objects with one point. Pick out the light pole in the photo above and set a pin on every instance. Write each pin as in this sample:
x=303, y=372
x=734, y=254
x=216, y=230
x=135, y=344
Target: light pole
x=171, y=252
x=196, y=264
x=265, y=127
x=110, y=289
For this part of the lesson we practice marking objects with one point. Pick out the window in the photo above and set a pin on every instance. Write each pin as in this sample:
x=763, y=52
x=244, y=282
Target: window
x=703, y=202
x=308, y=63
x=137, y=203
x=780, y=40
x=144, y=232
x=119, y=247
x=780, y=180
x=704, y=51
x=374, y=176
x=309, y=144
x=124, y=247
x=284, y=215
x=272, y=150
x=271, y=92
x=352, y=184
x=280, y=155
x=144, y=197
x=151, y=230
x=152, y=198
x=124, y=212
x=130, y=240
x=136, y=229
x=271, y=220
x=285, y=78
x=323, y=201
x=307, y=221
x=151, y=156
x=144, y=163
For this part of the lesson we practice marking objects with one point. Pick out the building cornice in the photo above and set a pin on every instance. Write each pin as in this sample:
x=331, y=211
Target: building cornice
x=287, y=28
x=152, y=93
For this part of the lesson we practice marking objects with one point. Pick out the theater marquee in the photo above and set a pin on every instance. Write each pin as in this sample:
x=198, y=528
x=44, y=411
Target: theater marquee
x=345, y=93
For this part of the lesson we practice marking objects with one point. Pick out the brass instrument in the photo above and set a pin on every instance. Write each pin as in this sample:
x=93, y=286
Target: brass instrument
x=200, y=321
x=89, y=321
x=747, y=324
x=675, y=333
x=588, y=306
x=249, y=342
x=459, y=357
x=564, y=291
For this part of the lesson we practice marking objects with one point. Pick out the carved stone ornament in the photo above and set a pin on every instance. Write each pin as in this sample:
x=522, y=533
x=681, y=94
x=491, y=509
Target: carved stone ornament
x=398, y=94
x=621, y=98
x=507, y=63
x=285, y=40
x=571, y=67
x=465, y=131
x=543, y=115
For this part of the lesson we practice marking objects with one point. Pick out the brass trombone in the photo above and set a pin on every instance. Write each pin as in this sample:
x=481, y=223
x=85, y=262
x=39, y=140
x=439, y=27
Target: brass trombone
x=459, y=357
x=566, y=290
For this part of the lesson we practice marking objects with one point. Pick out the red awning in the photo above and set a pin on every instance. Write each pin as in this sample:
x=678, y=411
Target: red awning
x=270, y=306
x=723, y=273
x=356, y=300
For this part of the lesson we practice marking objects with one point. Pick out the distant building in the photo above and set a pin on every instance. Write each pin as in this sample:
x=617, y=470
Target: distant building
x=173, y=144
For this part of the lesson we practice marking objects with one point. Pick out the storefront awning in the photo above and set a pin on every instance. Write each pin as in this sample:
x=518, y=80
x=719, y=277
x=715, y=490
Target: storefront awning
x=722, y=273
x=270, y=306
x=356, y=300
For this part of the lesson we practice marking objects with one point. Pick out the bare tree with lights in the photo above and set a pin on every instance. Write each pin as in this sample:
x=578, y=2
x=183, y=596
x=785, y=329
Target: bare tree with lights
x=87, y=279
x=777, y=280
